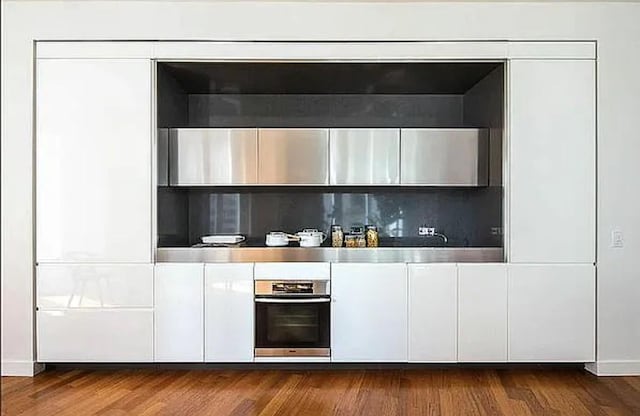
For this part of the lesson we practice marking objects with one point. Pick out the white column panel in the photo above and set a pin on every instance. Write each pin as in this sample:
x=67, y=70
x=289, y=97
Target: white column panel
x=229, y=312
x=482, y=312
x=552, y=312
x=179, y=312
x=432, y=312
x=93, y=160
x=368, y=312
x=552, y=161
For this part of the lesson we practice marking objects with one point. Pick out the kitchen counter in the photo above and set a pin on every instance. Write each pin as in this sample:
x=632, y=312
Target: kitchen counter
x=330, y=254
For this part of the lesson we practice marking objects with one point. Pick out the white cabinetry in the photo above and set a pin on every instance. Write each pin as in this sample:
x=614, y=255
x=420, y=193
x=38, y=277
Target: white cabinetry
x=63, y=286
x=179, y=309
x=229, y=312
x=432, y=312
x=95, y=335
x=93, y=160
x=369, y=312
x=551, y=313
x=482, y=312
x=94, y=313
x=552, y=161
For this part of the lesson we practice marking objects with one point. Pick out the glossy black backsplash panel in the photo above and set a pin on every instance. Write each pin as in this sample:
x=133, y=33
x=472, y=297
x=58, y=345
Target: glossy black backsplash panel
x=334, y=110
x=465, y=215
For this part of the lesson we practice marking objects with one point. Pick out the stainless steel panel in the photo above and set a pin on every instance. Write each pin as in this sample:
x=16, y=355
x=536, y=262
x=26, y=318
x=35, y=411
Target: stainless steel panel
x=265, y=287
x=293, y=156
x=213, y=156
x=301, y=300
x=444, y=157
x=163, y=157
x=364, y=156
x=292, y=352
x=333, y=255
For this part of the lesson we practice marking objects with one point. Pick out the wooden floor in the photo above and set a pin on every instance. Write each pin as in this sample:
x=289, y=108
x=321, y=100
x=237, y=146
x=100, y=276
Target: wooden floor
x=321, y=392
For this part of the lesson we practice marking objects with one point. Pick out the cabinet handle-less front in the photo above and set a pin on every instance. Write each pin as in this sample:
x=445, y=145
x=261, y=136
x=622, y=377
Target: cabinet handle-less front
x=280, y=300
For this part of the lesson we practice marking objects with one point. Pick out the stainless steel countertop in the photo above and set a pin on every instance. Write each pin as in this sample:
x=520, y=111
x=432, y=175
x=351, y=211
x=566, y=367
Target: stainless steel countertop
x=330, y=254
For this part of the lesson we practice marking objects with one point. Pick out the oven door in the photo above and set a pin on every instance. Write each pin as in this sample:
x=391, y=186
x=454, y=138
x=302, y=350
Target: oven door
x=292, y=326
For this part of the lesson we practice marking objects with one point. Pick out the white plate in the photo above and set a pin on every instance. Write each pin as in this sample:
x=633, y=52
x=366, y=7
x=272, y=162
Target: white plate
x=222, y=239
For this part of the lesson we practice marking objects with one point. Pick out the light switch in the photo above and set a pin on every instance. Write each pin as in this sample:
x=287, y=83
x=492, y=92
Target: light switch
x=617, y=240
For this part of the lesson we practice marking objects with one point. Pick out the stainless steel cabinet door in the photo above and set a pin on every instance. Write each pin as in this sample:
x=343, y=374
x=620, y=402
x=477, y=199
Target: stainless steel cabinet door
x=444, y=157
x=213, y=156
x=293, y=156
x=364, y=156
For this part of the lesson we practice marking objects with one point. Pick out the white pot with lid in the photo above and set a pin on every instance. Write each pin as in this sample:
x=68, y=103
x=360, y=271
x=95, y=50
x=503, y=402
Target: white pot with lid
x=279, y=239
x=311, y=237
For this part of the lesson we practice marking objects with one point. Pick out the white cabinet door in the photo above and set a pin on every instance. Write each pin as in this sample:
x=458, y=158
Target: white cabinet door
x=229, y=312
x=432, y=312
x=95, y=335
x=552, y=161
x=552, y=313
x=179, y=310
x=62, y=286
x=482, y=312
x=93, y=160
x=368, y=312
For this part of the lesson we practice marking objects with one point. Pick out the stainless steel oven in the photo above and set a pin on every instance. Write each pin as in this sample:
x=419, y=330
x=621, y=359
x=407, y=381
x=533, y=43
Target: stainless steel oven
x=292, y=318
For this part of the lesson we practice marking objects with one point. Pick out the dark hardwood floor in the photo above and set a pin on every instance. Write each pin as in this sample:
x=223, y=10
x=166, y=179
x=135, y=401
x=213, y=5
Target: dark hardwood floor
x=456, y=391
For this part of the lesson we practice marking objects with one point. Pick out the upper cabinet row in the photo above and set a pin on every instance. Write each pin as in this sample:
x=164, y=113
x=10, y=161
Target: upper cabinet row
x=95, y=164
x=383, y=156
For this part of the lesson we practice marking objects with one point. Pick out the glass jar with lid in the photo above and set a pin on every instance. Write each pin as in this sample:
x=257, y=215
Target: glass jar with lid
x=337, y=236
x=351, y=240
x=372, y=236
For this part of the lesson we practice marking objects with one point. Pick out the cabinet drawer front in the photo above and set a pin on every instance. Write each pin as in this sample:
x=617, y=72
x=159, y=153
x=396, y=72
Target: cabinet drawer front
x=94, y=286
x=94, y=335
x=298, y=270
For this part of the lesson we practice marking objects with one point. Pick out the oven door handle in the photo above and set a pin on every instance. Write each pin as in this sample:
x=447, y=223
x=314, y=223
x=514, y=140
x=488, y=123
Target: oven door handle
x=281, y=300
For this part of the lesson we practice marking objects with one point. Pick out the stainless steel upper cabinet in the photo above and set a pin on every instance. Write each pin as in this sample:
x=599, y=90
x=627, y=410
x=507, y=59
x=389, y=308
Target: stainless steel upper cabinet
x=444, y=157
x=364, y=156
x=213, y=156
x=293, y=156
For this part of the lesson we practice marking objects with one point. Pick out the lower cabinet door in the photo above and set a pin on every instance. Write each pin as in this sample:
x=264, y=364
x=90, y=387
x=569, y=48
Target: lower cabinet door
x=179, y=309
x=229, y=312
x=95, y=335
x=432, y=312
x=368, y=312
x=482, y=312
x=552, y=313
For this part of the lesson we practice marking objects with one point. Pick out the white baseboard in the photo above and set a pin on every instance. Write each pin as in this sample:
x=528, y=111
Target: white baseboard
x=21, y=368
x=614, y=368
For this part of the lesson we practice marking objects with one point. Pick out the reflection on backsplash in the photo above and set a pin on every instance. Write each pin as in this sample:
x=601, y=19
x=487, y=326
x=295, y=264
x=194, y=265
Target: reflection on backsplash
x=465, y=215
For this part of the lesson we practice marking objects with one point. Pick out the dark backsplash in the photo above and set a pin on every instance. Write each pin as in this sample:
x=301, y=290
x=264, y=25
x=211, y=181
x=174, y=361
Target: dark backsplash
x=465, y=215
x=335, y=110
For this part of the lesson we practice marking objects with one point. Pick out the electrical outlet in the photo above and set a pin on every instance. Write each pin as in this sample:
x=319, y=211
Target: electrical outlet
x=617, y=239
x=424, y=230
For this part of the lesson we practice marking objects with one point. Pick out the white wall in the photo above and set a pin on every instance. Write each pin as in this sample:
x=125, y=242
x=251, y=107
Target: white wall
x=613, y=25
